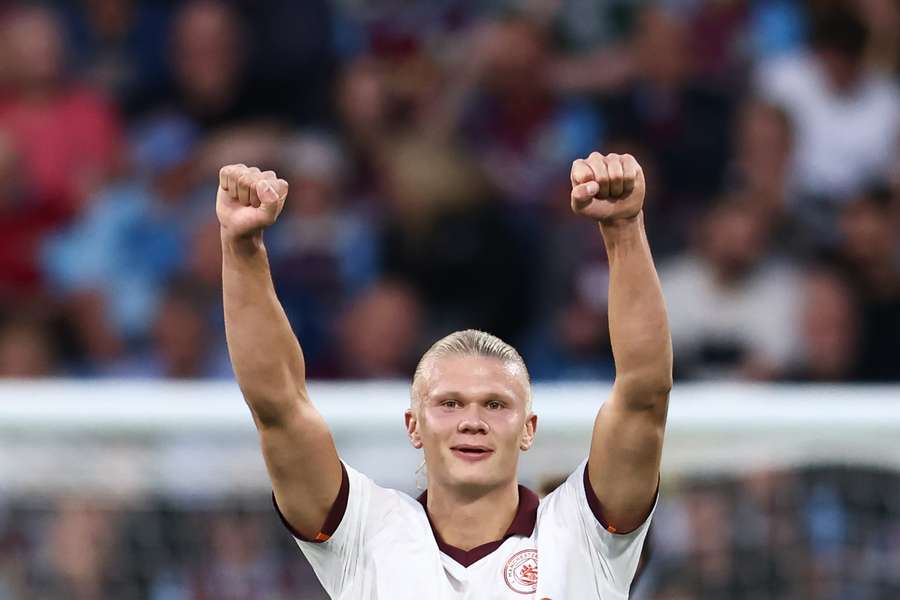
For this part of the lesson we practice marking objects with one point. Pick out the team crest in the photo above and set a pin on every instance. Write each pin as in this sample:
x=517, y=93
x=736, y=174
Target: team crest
x=521, y=571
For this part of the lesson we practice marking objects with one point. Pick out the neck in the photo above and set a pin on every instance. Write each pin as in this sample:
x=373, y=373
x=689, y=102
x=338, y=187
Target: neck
x=465, y=521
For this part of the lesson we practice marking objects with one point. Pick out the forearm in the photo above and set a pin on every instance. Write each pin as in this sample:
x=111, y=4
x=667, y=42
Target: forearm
x=638, y=326
x=265, y=354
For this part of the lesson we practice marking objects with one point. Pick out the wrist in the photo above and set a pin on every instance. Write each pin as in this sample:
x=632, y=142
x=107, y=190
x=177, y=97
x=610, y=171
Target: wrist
x=244, y=245
x=622, y=226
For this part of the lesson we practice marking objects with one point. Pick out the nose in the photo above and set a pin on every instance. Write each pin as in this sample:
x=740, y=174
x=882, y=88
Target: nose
x=471, y=421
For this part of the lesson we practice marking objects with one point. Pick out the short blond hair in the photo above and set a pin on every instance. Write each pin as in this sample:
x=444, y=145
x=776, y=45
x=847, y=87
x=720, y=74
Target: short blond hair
x=469, y=342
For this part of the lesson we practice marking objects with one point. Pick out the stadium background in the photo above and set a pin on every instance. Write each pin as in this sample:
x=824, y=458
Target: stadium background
x=427, y=145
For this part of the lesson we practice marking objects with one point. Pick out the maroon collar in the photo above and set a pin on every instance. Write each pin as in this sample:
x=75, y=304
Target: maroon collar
x=522, y=524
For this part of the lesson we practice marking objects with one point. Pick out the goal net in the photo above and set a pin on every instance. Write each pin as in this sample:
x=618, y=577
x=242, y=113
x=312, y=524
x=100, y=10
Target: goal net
x=130, y=490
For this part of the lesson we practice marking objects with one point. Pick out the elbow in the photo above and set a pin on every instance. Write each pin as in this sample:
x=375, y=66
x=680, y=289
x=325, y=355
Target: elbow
x=648, y=390
x=271, y=410
x=646, y=375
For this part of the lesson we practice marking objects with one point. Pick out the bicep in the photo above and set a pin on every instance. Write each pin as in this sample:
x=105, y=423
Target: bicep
x=303, y=466
x=626, y=449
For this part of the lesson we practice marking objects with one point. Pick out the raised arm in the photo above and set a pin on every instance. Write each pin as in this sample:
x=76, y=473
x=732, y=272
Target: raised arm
x=298, y=449
x=626, y=447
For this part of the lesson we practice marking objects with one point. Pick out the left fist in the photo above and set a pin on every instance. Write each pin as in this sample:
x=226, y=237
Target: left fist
x=607, y=188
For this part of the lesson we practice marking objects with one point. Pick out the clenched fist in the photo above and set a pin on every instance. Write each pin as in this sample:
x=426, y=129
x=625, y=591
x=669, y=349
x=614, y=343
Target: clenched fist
x=607, y=188
x=248, y=200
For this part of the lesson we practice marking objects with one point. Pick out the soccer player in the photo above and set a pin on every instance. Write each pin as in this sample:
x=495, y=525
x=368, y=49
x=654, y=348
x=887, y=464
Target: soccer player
x=475, y=533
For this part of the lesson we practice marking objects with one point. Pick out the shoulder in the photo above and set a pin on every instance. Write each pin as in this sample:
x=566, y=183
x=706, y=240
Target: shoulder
x=382, y=505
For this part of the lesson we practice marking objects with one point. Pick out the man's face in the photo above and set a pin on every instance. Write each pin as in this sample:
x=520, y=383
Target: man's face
x=471, y=421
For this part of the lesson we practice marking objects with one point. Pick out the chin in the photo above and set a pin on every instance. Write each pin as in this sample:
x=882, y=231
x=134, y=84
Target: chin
x=474, y=476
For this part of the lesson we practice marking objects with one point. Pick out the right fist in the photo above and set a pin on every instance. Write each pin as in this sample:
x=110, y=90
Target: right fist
x=248, y=200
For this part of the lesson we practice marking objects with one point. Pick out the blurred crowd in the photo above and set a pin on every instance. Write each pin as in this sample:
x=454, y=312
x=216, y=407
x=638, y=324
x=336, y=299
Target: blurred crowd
x=427, y=145
x=813, y=534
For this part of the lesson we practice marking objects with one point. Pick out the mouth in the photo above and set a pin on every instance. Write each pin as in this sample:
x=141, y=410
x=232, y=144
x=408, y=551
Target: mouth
x=471, y=453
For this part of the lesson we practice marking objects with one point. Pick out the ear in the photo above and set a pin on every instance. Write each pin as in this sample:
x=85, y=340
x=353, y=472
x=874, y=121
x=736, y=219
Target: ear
x=528, y=432
x=412, y=429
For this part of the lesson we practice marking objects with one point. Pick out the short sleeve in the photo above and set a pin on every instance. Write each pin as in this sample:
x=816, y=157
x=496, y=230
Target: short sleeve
x=574, y=506
x=337, y=555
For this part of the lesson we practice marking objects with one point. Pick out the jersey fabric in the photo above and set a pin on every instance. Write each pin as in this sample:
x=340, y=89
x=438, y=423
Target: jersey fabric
x=380, y=545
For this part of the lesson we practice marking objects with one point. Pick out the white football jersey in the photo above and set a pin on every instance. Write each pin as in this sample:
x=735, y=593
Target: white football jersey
x=383, y=547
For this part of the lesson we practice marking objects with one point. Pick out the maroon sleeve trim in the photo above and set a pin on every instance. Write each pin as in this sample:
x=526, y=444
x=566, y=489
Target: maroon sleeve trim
x=597, y=509
x=332, y=521
x=594, y=502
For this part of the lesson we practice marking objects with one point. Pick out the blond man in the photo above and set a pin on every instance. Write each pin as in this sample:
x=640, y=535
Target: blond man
x=475, y=533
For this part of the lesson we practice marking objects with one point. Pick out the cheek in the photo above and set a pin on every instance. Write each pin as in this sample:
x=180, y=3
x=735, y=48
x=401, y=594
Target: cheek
x=506, y=425
x=435, y=425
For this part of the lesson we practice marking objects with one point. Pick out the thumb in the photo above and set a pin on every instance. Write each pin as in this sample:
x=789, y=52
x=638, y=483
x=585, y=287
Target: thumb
x=271, y=192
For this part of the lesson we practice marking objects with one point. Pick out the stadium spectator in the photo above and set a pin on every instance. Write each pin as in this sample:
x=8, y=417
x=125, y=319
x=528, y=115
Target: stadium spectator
x=115, y=45
x=870, y=253
x=715, y=294
x=522, y=132
x=185, y=340
x=830, y=94
x=324, y=249
x=531, y=83
x=240, y=565
x=570, y=339
x=829, y=331
x=576, y=347
x=379, y=334
x=79, y=557
x=669, y=117
x=761, y=164
x=25, y=219
x=67, y=134
x=761, y=168
x=208, y=79
x=114, y=259
x=448, y=236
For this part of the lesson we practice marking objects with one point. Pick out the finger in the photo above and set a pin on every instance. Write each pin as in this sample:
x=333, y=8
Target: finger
x=616, y=174
x=581, y=172
x=234, y=173
x=268, y=195
x=245, y=181
x=251, y=192
x=268, y=175
x=583, y=194
x=601, y=174
x=223, y=177
x=256, y=175
x=272, y=194
x=630, y=168
x=281, y=188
